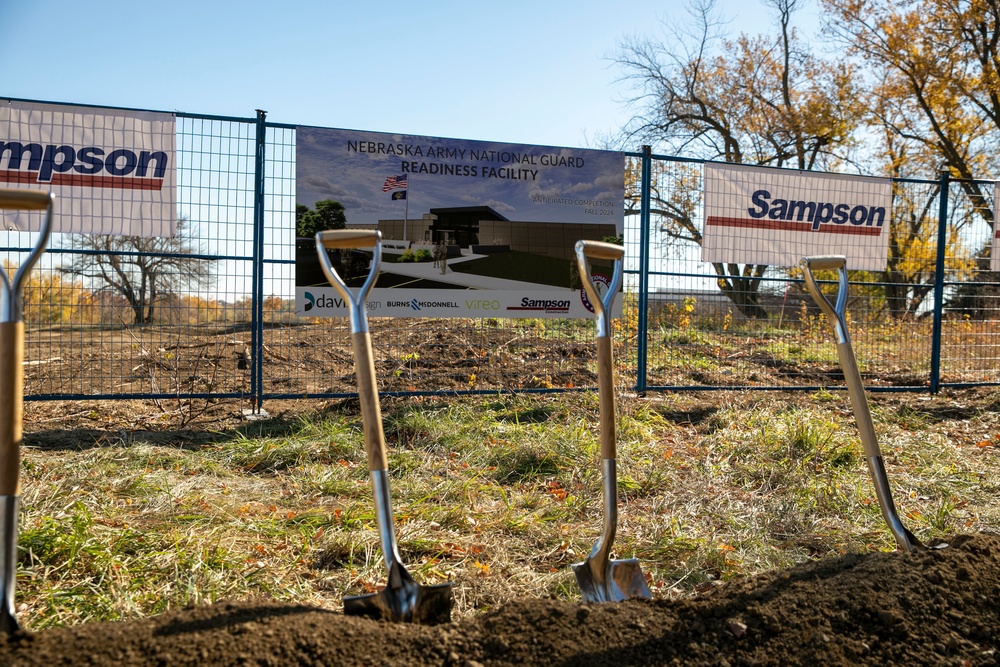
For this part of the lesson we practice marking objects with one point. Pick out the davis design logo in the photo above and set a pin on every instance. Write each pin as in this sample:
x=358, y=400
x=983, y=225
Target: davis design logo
x=601, y=283
x=323, y=301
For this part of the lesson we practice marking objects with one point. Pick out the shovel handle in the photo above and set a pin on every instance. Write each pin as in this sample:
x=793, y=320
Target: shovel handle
x=335, y=239
x=845, y=351
x=344, y=239
x=601, y=303
x=834, y=311
x=602, y=250
x=606, y=397
x=25, y=200
x=605, y=355
x=361, y=340
x=825, y=262
x=11, y=405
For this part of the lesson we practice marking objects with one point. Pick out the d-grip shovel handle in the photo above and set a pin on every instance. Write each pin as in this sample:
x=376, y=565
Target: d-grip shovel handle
x=361, y=341
x=12, y=306
x=602, y=310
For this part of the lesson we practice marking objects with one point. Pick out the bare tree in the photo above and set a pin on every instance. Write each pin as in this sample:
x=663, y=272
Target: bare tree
x=143, y=270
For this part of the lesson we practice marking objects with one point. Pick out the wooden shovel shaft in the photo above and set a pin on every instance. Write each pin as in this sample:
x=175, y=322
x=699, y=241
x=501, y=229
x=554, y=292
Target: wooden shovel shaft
x=26, y=200
x=371, y=415
x=606, y=395
x=11, y=398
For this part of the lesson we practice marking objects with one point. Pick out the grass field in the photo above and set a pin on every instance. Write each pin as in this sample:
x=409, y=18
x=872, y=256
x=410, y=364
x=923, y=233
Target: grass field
x=129, y=512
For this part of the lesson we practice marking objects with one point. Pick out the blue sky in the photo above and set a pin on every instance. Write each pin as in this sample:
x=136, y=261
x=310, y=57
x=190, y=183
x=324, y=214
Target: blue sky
x=534, y=72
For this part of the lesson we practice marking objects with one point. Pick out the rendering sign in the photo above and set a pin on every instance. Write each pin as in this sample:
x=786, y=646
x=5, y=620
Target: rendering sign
x=470, y=228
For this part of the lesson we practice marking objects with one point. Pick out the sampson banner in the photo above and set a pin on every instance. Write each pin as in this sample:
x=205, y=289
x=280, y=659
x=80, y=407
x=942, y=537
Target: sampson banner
x=470, y=228
x=112, y=171
x=756, y=215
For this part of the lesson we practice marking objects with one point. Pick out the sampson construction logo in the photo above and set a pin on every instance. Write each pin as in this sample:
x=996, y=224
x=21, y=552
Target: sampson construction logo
x=542, y=305
x=767, y=212
x=87, y=166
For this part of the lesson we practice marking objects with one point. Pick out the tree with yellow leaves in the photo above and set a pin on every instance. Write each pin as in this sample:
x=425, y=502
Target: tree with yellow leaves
x=759, y=100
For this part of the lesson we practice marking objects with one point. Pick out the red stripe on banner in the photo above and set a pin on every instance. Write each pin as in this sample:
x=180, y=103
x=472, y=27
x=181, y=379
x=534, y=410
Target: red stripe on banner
x=792, y=226
x=83, y=180
x=13, y=176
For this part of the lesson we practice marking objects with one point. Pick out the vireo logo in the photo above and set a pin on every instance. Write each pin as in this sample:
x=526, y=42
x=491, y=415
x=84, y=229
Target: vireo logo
x=311, y=302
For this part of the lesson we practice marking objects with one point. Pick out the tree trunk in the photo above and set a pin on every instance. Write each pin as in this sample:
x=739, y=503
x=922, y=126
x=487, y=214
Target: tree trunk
x=743, y=287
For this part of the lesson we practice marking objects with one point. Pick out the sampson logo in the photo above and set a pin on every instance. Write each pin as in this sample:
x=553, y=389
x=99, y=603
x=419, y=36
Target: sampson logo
x=89, y=166
x=776, y=213
x=542, y=305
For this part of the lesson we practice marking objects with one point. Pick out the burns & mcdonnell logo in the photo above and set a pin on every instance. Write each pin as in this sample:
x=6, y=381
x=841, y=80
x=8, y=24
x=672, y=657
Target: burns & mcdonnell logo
x=417, y=304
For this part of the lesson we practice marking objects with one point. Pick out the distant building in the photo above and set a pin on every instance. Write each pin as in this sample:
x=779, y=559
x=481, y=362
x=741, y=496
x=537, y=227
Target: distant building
x=467, y=226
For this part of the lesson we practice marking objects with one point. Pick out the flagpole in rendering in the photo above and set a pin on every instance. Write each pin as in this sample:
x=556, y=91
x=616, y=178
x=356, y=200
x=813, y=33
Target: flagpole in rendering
x=406, y=214
x=400, y=183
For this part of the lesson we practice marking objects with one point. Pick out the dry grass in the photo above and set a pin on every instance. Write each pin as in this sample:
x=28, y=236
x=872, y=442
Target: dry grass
x=498, y=495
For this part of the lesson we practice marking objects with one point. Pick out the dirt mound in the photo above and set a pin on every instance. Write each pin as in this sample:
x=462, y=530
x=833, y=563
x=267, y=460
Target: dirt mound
x=938, y=607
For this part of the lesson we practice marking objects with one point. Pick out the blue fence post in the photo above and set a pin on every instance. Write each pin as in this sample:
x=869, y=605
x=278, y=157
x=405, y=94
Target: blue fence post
x=942, y=239
x=257, y=295
x=643, y=325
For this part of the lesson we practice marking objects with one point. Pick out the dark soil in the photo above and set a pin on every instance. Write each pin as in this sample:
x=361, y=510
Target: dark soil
x=937, y=607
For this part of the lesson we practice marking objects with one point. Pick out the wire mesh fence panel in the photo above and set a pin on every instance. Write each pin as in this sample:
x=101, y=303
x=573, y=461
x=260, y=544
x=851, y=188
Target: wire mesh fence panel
x=211, y=311
x=970, y=335
x=127, y=316
x=747, y=325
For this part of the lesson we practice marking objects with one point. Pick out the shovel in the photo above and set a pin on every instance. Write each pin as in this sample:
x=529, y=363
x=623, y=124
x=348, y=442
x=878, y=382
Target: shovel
x=601, y=579
x=905, y=540
x=12, y=395
x=402, y=599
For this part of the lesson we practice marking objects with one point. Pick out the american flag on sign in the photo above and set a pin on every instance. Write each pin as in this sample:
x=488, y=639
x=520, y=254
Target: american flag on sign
x=393, y=182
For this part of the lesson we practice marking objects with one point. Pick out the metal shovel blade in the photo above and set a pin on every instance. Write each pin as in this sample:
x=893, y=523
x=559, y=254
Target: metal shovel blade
x=403, y=601
x=8, y=563
x=611, y=580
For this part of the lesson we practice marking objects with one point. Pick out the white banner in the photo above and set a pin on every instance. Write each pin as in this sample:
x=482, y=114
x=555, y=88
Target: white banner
x=756, y=215
x=470, y=228
x=112, y=171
